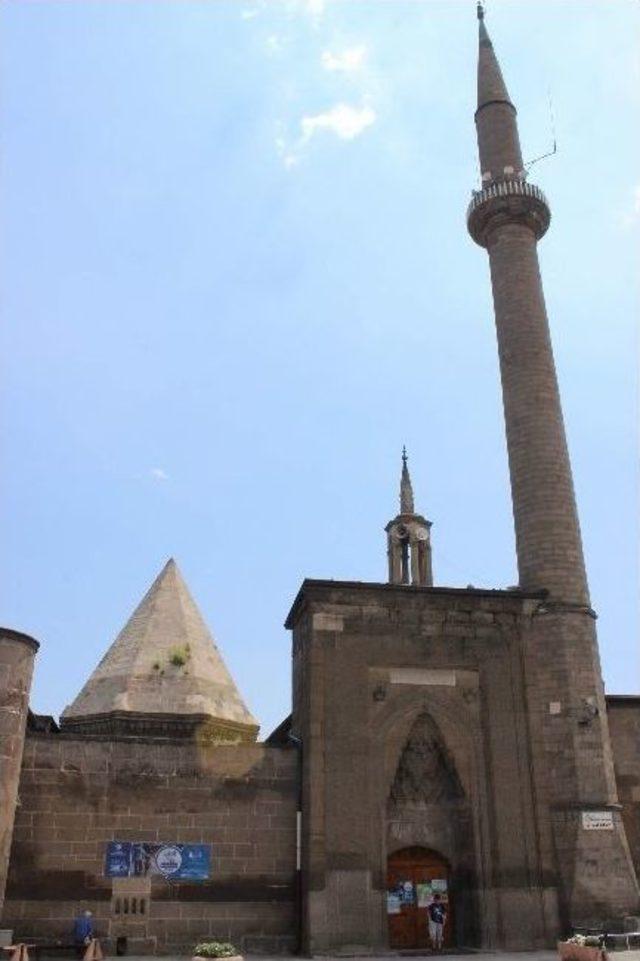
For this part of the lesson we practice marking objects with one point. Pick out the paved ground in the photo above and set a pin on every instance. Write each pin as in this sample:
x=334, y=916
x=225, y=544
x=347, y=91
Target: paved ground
x=621, y=955
x=480, y=955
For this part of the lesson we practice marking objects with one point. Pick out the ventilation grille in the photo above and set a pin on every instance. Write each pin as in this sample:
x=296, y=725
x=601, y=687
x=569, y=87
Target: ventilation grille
x=126, y=905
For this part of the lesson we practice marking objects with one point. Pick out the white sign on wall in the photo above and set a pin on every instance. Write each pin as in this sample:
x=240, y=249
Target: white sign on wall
x=597, y=820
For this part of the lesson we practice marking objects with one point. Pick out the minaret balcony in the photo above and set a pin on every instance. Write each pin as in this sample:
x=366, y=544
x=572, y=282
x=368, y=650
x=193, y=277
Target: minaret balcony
x=504, y=202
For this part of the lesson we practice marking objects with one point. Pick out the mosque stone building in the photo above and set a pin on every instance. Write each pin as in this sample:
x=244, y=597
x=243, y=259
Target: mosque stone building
x=441, y=740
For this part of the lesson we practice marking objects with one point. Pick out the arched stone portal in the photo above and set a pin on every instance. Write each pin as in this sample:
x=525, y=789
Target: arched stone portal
x=429, y=840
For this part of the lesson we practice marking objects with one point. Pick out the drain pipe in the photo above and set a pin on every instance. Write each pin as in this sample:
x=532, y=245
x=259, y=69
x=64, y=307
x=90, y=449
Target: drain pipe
x=297, y=743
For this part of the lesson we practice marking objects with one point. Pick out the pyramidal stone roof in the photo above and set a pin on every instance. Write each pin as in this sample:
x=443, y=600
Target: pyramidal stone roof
x=163, y=675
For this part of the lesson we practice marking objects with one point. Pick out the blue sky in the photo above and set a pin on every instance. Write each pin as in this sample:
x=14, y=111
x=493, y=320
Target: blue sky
x=237, y=279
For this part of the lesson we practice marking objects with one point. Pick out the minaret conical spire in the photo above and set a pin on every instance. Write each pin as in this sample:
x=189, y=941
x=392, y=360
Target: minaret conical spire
x=406, y=490
x=498, y=141
x=491, y=85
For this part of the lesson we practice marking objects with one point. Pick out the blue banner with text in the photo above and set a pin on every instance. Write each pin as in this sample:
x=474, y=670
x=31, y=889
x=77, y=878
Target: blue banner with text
x=179, y=862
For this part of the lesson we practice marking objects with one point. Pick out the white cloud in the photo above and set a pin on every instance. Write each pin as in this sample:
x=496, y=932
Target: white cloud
x=343, y=120
x=288, y=155
x=158, y=474
x=315, y=7
x=253, y=10
x=275, y=43
x=628, y=218
x=349, y=60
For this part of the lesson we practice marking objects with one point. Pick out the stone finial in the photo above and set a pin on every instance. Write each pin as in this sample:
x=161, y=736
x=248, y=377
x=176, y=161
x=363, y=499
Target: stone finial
x=406, y=490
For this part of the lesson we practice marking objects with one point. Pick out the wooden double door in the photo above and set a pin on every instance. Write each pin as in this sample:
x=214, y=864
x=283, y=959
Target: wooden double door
x=414, y=876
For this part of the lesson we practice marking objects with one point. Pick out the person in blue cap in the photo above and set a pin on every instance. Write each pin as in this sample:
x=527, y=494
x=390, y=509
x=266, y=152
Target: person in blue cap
x=437, y=913
x=83, y=932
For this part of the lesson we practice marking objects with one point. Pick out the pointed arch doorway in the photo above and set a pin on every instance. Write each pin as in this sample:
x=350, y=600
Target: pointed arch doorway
x=414, y=875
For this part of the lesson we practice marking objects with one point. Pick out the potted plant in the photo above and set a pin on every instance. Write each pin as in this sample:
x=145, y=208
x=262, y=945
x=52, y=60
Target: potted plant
x=582, y=947
x=215, y=949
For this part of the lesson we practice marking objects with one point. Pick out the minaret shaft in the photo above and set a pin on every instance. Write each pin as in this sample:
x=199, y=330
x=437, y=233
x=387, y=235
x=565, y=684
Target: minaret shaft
x=548, y=542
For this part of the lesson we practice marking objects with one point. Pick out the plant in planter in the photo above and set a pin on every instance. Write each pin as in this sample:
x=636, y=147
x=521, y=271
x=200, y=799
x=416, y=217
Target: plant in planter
x=216, y=949
x=582, y=948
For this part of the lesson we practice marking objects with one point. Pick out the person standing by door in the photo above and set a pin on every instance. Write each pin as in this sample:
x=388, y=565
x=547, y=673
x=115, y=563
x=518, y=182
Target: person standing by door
x=82, y=932
x=437, y=914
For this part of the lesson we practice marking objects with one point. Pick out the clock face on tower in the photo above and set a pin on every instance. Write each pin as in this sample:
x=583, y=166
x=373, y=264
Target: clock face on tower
x=403, y=533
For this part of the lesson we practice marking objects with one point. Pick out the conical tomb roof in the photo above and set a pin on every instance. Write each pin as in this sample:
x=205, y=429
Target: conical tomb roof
x=162, y=674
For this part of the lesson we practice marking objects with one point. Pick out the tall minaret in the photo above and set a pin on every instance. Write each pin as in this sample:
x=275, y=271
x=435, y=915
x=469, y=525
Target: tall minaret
x=409, y=539
x=571, y=751
x=508, y=216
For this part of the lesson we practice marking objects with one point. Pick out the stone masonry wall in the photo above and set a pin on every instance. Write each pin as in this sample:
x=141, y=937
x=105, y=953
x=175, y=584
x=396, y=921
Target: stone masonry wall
x=16, y=666
x=624, y=728
x=75, y=795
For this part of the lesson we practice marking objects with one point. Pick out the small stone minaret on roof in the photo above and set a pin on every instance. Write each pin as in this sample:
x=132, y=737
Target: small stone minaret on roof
x=163, y=676
x=409, y=539
x=572, y=761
